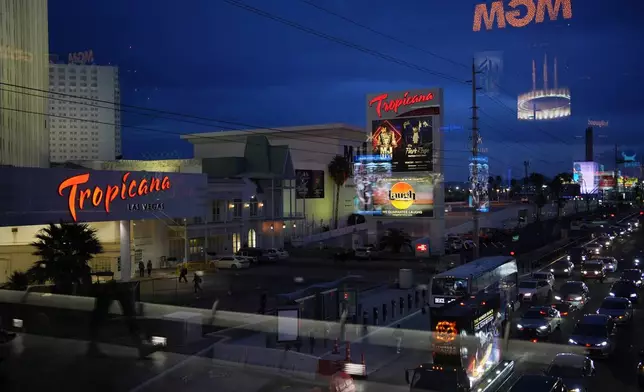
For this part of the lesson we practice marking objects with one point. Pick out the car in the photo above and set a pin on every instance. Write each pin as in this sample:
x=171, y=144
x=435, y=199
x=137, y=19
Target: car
x=562, y=268
x=538, y=383
x=574, y=293
x=564, y=308
x=577, y=255
x=576, y=371
x=593, y=248
x=595, y=332
x=593, y=269
x=610, y=263
x=280, y=253
x=533, y=290
x=366, y=252
x=539, y=321
x=634, y=275
x=619, y=309
x=230, y=262
x=605, y=239
x=547, y=276
x=258, y=255
x=624, y=289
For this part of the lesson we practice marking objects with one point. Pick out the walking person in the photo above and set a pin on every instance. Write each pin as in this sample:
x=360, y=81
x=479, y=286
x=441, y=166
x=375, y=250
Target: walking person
x=105, y=294
x=312, y=340
x=149, y=268
x=196, y=280
x=183, y=273
x=398, y=335
x=141, y=269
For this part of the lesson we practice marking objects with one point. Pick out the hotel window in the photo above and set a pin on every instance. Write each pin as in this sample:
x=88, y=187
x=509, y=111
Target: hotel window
x=195, y=246
x=216, y=211
x=252, y=238
x=254, y=206
x=237, y=208
x=236, y=242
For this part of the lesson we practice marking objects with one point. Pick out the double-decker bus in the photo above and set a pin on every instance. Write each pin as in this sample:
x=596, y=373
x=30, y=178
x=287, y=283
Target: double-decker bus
x=494, y=273
x=467, y=341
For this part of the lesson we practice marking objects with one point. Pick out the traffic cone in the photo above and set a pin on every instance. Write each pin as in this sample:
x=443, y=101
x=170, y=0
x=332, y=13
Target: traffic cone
x=347, y=353
x=336, y=347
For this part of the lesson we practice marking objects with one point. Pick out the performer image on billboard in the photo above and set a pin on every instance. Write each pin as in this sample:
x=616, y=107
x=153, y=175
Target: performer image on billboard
x=414, y=130
x=385, y=141
x=578, y=177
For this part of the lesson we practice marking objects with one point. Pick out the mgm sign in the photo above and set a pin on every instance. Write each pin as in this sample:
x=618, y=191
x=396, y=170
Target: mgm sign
x=519, y=13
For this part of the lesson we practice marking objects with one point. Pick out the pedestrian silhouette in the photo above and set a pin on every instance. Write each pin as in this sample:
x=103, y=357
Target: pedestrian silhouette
x=196, y=280
x=398, y=335
x=149, y=268
x=183, y=273
x=105, y=294
x=141, y=269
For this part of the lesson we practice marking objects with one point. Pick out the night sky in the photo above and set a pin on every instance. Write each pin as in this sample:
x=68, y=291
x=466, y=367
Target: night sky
x=213, y=60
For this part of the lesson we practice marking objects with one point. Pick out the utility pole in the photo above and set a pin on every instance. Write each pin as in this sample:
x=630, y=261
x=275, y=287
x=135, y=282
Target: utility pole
x=615, y=175
x=475, y=151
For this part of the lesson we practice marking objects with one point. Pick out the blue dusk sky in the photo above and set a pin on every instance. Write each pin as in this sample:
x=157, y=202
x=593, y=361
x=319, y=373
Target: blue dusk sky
x=219, y=61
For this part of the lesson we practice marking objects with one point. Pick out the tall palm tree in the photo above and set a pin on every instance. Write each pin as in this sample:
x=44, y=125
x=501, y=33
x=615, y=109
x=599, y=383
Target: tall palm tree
x=64, y=251
x=538, y=180
x=339, y=171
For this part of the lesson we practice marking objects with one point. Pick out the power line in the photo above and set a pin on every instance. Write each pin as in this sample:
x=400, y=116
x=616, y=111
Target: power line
x=380, y=33
x=174, y=133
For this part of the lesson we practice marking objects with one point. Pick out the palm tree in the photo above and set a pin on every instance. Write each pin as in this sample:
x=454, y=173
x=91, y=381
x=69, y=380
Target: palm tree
x=556, y=188
x=538, y=181
x=64, y=251
x=339, y=171
x=18, y=281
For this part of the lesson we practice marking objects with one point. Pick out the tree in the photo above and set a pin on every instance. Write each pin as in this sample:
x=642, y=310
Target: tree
x=538, y=181
x=556, y=189
x=18, y=281
x=64, y=251
x=339, y=171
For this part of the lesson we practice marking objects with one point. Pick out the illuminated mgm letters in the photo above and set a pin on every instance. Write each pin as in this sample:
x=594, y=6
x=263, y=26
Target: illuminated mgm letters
x=521, y=14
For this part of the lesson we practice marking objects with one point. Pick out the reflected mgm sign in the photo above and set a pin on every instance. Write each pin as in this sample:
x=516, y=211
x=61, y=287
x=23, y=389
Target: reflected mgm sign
x=519, y=13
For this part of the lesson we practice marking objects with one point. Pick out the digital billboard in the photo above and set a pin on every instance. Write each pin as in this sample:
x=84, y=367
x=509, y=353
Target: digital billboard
x=404, y=196
x=406, y=141
x=369, y=171
x=479, y=186
x=309, y=184
x=586, y=174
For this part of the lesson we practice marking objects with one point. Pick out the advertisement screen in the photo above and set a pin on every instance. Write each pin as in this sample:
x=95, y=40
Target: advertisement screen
x=479, y=186
x=586, y=175
x=288, y=325
x=309, y=184
x=606, y=181
x=404, y=196
x=406, y=141
x=369, y=173
x=482, y=353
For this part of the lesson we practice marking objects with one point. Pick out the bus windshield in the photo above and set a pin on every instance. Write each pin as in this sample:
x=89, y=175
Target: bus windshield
x=426, y=380
x=449, y=286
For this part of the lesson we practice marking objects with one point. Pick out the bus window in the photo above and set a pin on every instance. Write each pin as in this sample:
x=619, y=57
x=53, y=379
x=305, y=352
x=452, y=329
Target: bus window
x=454, y=287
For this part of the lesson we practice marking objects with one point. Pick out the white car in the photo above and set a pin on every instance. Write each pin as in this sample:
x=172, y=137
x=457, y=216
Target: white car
x=365, y=252
x=534, y=290
x=231, y=262
x=594, y=248
x=547, y=276
x=280, y=253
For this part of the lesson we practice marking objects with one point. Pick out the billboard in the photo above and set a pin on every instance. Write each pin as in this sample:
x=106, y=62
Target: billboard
x=406, y=141
x=406, y=126
x=606, y=181
x=309, y=184
x=369, y=172
x=404, y=196
x=586, y=174
x=39, y=196
x=479, y=186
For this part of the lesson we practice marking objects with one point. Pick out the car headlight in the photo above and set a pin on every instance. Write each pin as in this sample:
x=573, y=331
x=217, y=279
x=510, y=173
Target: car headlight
x=571, y=341
x=575, y=390
x=578, y=298
x=637, y=261
x=607, y=243
x=568, y=258
x=633, y=295
x=519, y=326
x=639, y=282
x=566, y=270
x=552, y=270
x=603, y=344
x=596, y=272
x=543, y=327
x=583, y=257
x=558, y=298
x=584, y=272
x=527, y=294
x=611, y=294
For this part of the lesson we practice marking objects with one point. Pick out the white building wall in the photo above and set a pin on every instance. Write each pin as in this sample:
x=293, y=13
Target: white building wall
x=24, y=55
x=83, y=128
x=107, y=232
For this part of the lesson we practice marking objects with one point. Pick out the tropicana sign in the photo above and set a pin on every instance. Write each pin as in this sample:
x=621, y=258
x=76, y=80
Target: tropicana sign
x=533, y=12
x=128, y=189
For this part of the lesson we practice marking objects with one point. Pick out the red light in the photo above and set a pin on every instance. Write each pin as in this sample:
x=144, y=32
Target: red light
x=534, y=340
x=512, y=253
x=564, y=314
x=483, y=303
x=421, y=248
x=346, y=295
x=612, y=215
x=641, y=212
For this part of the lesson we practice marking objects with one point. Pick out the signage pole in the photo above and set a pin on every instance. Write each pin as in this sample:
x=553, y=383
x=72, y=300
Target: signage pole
x=474, y=185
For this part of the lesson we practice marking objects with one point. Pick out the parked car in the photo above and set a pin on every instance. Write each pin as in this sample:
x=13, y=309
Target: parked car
x=258, y=254
x=280, y=253
x=231, y=262
x=547, y=276
x=576, y=371
x=366, y=252
x=533, y=290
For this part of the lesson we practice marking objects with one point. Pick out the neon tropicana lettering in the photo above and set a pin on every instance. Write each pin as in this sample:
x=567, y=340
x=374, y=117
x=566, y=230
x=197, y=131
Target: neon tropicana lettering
x=394, y=104
x=128, y=189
